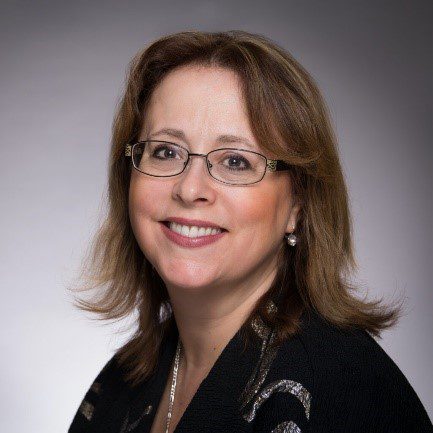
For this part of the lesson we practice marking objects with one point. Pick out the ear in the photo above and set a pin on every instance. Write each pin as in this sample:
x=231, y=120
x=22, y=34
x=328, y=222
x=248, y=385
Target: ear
x=293, y=218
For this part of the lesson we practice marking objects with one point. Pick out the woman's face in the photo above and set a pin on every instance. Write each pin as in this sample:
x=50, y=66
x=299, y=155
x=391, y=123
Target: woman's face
x=204, y=103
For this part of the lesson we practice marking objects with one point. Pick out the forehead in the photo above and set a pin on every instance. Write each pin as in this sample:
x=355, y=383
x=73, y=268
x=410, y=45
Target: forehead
x=192, y=81
x=200, y=101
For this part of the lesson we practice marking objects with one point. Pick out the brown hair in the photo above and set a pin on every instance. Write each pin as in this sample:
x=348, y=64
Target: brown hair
x=289, y=119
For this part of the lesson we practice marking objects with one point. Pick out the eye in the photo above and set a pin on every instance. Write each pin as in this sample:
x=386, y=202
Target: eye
x=237, y=162
x=164, y=152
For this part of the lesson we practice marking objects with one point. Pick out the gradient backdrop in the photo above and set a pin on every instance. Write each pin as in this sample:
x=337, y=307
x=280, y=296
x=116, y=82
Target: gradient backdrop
x=62, y=71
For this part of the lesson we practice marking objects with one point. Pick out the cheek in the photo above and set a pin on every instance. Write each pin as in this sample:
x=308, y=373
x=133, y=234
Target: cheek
x=142, y=195
x=259, y=210
x=143, y=206
x=138, y=199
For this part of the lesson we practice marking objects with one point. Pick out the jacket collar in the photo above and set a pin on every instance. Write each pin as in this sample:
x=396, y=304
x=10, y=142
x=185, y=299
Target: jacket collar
x=228, y=387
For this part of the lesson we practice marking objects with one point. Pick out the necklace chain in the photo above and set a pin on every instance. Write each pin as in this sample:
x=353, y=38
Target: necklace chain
x=271, y=307
x=173, y=385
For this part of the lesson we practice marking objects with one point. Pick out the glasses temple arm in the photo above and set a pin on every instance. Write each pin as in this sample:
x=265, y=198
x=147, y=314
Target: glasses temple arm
x=276, y=165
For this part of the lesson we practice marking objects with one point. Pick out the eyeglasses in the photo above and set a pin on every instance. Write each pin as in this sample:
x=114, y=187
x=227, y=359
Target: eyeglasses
x=228, y=165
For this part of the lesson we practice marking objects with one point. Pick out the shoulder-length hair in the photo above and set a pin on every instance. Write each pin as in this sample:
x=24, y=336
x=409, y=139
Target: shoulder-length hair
x=290, y=120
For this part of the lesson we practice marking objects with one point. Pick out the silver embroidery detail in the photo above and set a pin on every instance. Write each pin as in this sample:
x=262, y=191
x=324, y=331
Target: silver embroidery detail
x=267, y=355
x=257, y=323
x=261, y=370
x=260, y=328
x=96, y=387
x=127, y=427
x=86, y=409
x=286, y=427
x=272, y=307
x=284, y=385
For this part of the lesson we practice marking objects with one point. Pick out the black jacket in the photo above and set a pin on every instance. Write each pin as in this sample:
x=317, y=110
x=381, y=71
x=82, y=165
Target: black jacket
x=322, y=380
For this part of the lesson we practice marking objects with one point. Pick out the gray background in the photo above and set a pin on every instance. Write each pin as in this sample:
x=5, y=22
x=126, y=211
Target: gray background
x=62, y=69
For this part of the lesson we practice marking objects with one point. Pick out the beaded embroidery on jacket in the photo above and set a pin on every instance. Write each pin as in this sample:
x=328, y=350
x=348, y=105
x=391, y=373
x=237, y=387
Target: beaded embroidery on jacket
x=253, y=397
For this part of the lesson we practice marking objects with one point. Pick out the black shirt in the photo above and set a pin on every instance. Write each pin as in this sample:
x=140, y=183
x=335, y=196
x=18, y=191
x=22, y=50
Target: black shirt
x=324, y=379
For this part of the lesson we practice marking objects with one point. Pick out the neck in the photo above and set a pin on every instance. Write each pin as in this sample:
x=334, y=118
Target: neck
x=207, y=323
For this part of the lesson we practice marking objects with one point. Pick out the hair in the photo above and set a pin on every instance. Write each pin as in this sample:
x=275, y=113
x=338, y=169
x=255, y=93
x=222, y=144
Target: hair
x=289, y=119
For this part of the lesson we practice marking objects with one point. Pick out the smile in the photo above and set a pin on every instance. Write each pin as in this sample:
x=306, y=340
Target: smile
x=191, y=236
x=192, y=231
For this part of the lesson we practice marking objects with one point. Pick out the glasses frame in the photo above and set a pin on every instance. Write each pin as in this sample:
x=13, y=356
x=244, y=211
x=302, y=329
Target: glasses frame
x=272, y=165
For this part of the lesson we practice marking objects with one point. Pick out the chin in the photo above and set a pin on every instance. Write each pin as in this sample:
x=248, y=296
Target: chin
x=187, y=275
x=189, y=280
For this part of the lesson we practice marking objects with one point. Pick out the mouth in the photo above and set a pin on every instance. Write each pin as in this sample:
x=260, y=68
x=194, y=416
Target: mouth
x=186, y=236
x=168, y=223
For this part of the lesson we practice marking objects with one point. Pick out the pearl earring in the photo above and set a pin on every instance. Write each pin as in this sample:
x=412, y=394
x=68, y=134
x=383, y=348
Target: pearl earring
x=291, y=238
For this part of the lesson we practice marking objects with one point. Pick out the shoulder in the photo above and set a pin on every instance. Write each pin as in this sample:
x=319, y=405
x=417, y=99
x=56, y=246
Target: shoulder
x=352, y=383
x=107, y=385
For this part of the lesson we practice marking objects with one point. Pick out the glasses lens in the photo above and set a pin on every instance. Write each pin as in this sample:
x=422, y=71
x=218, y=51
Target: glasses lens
x=159, y=158
x=232, y=166
x=236, y=166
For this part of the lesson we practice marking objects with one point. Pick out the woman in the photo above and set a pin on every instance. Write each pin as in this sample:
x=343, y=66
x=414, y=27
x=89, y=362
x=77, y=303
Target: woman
x=229, y=233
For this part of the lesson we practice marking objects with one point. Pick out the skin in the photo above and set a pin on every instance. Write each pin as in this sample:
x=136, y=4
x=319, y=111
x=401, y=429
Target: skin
x=212, y=288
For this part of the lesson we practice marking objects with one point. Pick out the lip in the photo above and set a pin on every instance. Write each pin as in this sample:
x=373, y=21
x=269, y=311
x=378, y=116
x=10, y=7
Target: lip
x=185, y=241
x=192, y=222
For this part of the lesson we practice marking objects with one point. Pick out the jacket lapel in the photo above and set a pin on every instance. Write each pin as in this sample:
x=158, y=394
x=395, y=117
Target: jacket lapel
x=221, y=396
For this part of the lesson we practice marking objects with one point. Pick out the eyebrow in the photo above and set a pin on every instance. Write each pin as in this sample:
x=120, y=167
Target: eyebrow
x=222, y=139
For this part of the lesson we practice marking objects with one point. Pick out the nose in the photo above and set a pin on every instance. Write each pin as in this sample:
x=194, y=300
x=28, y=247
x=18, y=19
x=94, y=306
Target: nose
x=194, y=184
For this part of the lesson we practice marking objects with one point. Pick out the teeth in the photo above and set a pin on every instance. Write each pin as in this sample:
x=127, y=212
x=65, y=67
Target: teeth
x=193, y=231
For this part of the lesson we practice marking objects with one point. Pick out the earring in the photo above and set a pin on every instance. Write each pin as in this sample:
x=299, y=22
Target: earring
x=291, y=238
